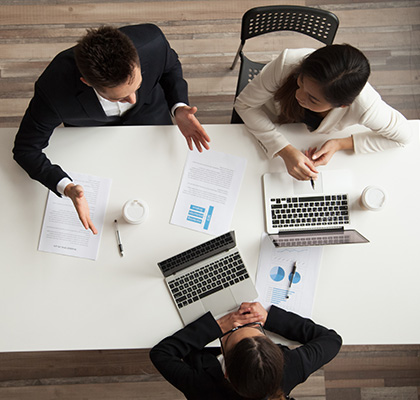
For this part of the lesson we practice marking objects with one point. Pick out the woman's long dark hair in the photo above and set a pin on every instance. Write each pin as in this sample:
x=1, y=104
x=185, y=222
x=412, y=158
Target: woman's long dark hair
x=255, y=368
x=340, y=69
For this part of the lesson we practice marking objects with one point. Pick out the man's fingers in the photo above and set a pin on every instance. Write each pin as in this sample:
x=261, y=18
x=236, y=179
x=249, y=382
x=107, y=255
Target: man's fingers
x=205, y=144
x=92, y=227
x=193, y=110
x=197, y=144
x=88, y=224
x=205, y=139
x=189, y=142
x=84, y=222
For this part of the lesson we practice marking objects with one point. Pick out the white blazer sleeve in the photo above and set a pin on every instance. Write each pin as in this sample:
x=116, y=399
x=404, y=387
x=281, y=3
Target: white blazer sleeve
x=389, y=127
x=258, y=96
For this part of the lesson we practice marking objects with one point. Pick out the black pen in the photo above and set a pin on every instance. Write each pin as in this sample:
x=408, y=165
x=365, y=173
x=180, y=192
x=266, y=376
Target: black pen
x=291, y=279
x=312, y=184
x=117, y=233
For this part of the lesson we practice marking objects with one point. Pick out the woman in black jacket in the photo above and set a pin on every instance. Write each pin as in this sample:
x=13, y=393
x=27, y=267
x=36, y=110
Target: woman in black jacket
x=248, y=365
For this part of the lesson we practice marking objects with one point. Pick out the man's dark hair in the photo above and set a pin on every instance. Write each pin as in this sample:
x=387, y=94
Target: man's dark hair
x=106, y=57
x=255, y=368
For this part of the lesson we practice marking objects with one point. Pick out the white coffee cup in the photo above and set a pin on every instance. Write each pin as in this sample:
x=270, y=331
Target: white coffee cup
x=373, y=198
x=135, y=211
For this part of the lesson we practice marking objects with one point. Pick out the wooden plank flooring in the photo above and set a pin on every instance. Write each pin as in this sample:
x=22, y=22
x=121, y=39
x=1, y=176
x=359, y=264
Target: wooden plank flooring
x=205, y=33
x=357, y=373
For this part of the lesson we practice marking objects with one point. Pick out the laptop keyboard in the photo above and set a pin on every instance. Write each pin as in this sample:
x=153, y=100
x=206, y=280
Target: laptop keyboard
x=198, y=253
x=313, y=211
x=208, y=279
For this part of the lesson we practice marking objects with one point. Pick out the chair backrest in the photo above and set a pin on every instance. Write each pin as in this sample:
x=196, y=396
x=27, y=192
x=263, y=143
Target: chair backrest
x=319, y=24
x=247, y=72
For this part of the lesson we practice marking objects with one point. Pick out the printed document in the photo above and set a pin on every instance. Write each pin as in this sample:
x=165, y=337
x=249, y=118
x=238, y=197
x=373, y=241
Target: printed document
x=62, y=232
x=208, y=192
x=275, y=272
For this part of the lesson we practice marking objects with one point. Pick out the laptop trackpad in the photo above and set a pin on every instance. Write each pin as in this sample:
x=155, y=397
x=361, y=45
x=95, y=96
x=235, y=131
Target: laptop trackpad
x=191, y=312
x=219, y=302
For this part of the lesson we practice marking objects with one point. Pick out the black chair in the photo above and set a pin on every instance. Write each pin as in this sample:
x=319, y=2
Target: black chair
x=319, y=24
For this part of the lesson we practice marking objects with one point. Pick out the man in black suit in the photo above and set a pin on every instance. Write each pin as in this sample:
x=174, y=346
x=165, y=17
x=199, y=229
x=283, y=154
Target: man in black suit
x=126, y=76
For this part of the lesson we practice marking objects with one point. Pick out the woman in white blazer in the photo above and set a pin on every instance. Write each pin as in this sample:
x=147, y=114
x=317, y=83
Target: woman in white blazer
x=326, y=89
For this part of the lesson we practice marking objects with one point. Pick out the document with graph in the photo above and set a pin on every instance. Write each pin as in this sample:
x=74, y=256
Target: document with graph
x=276, y=271
x=208, y=191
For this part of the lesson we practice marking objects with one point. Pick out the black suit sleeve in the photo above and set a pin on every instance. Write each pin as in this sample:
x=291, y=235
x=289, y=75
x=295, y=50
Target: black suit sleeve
x=169, y=356
x=319, y=345
x=33, y=136
x=172, y=81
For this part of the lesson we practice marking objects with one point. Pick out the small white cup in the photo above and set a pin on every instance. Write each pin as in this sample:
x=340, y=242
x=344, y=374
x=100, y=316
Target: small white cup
x=135, y=211
x=373, y=198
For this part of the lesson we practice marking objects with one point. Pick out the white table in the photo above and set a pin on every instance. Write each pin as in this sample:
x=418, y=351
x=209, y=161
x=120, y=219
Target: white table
x=368, y=293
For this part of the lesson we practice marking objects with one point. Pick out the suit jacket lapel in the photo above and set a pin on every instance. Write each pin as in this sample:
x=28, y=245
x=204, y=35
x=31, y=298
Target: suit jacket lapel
x=90, y=103
x=141, y=93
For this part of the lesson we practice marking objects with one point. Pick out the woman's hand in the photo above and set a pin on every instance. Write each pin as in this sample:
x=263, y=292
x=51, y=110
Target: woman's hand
x=256, y=309
x=298, y=164
x=247, y=312
x=327, y=150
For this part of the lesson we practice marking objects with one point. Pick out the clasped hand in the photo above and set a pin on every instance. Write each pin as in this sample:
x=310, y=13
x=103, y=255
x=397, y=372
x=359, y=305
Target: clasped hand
x=191, y=128
x=77, y=196
x=324, y=154
x=302, y=165
x=298, y=165
x=246, y=313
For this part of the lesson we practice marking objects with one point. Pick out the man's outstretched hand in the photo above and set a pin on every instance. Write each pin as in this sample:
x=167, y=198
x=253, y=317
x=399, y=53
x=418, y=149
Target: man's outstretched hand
x=191, y=128
x=77, y=196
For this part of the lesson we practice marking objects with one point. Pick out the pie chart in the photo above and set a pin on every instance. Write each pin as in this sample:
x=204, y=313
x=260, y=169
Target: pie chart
x=296, y=278
x=277, y=274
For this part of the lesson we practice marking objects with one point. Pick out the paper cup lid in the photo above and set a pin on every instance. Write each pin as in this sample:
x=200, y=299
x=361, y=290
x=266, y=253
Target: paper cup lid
x=135, y=211
x=373, y=198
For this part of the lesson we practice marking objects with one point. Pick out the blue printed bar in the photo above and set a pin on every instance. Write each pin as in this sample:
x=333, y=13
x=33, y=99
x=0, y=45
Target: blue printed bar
x=208, y=218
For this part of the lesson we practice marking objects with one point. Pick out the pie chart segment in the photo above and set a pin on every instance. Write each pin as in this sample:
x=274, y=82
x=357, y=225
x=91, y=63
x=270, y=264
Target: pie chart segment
x=296, y=278
x=277, y=274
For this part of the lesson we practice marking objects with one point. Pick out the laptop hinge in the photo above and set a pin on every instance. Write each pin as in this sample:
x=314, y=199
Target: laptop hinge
x=322, y=230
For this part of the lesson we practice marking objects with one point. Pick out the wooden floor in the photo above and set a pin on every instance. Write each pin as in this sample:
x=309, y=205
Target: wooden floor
x=357, y=373
x=205, y=33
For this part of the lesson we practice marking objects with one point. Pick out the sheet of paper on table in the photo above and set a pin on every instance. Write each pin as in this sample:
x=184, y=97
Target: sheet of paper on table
x=208, y=191
x=274, y=272
x=62, y=232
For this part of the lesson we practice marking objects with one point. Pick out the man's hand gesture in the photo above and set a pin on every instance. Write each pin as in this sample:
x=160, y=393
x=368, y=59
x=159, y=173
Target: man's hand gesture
x=191, y=128
x=76, y=194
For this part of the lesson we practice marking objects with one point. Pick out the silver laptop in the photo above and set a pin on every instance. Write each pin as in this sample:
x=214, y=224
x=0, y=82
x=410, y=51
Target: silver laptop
x=208, y=277
x=301, y=214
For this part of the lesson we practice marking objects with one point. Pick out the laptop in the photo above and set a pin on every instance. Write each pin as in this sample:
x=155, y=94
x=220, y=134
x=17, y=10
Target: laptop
x=209, y=277
x=300, y=214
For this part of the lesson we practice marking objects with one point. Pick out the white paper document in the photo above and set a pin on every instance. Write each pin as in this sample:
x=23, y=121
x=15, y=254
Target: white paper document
x=62, y=232
x=208, y=192
x=275, y=271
